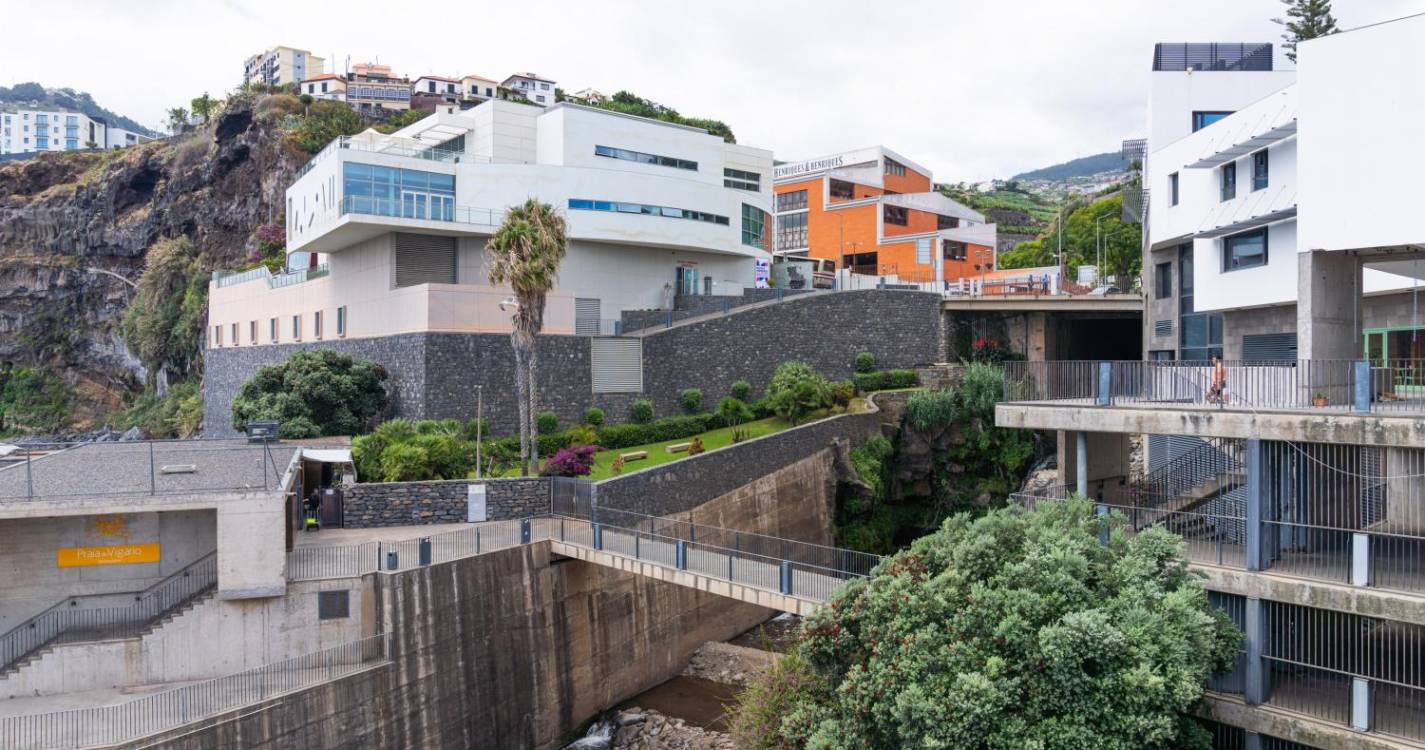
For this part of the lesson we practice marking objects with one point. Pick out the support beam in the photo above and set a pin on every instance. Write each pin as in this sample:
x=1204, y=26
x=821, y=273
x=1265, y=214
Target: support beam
x=1081, y=454
x=1256, y=483
x=1255, y=629
x=1328, y=308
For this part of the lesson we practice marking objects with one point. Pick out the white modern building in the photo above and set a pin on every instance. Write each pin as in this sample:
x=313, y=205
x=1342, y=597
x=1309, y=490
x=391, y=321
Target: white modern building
x=532, y=87
x=28, y=131
x=395, y=226
x=280, y=66
x=1224, y=191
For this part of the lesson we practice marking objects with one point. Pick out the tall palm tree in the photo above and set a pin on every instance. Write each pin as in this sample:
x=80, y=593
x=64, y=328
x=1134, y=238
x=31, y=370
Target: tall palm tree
x=525, y=252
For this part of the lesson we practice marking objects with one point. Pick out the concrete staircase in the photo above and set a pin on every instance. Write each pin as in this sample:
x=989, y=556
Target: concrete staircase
x=1174, y=493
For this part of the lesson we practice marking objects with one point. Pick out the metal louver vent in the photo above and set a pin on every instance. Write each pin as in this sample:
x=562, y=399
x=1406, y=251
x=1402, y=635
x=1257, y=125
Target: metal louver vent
x=1163, y=328
x=617, y=365
x=587, y=312
x=424, y=259
x=1269, y=347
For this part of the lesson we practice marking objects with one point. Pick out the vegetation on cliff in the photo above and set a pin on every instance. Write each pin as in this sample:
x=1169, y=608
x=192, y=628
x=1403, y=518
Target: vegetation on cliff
x=1014, y=629
x=1091, y=231
x=629, y=103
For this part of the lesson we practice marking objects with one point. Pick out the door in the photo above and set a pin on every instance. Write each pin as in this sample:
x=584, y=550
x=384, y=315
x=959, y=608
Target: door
x=414, y=205
x=685, y=281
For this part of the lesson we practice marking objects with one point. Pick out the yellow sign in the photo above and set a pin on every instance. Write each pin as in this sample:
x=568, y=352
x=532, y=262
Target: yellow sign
x=119, y=554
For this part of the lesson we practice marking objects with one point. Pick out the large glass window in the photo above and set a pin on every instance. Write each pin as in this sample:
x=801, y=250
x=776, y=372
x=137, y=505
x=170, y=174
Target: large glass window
x=842, y=190
x=1164, y=280
x=1173, y=189
x=389, y=191
x=894, y=167
x=795, y=200
x=754, y=227
x=585, y=204
x=1199, y=334
x=792, y=231
x=952, y=250
x=1259, y=170
x=947, y=222
x=741, y=180
x=896, y=215
x=1246, y=250
x=1229, y=180
x=1201, y=120
x=643, y=158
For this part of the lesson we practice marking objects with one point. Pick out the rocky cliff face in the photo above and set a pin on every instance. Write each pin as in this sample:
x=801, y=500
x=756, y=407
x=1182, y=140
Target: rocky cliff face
x=74, y=228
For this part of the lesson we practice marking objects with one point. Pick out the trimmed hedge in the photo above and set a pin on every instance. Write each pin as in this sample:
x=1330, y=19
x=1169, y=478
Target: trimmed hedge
x=668, y=428
x=883, y=380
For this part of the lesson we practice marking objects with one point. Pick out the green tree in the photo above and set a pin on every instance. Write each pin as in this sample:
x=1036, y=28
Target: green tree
x=402, y=119
x=525, y=253
x=177, y=120
x=164, y=322
x=1305, y=19
x=325, y=122
x=203, y=105
x=314, y=393
x=1016, y=629
x=796, y=391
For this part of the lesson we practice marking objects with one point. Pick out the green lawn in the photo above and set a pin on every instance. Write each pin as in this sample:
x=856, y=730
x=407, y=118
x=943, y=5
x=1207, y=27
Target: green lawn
x=712, y=440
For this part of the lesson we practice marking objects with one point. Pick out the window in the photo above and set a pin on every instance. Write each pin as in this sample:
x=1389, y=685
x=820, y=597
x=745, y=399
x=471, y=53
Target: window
x=430, y=87
x=842, y=189
x=894, y=167
x=296, y=327
x=1173, y=189
x=1229, y=180
x=217, y=335
x=272, y=330
x=1161, y=355
x=317, y=324
x=539, y=97
x=1259, y=170
x=740, y=180
x=792, y=231
x=642, y=158
x=341, y=321
x=952, y=250
x=544, y=87
x=895, y=215
x=946, y=222
x=795, y=200
x=333, y=605
x=1201, y=120
x=235, y=334
x=1199, y=334
x=754, y=227
x=1246, y=250
x=1163, y=278
x=389, y=191
x=252, y=332
x=584, y=204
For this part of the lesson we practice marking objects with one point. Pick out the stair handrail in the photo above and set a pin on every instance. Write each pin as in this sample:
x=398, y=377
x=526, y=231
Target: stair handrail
x=149, y=604
x=1211, y=459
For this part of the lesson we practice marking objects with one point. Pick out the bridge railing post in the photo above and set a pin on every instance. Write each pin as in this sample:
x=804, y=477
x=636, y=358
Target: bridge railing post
x=524, y=531
x=598, y=536
x=682, y=555
x=787, y=577
x=424, y=551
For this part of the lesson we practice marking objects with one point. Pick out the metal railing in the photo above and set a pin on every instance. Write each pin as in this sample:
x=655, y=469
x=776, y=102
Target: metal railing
x=69, y=621
x=1212, y=56
x=391, y=146
x=399, y=209
x=808, y=571
x=150, y=467
x=274, y=280
x=1324, y=385
x=170, y=709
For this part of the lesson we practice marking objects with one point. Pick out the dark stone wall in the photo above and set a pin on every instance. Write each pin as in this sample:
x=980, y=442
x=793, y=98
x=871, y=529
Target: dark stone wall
x=413, y=503
x=691, y=306
x=436, y=375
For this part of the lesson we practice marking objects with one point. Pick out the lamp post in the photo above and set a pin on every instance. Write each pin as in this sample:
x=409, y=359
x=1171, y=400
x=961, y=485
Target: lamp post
x=1098, y=246
x=479, y=424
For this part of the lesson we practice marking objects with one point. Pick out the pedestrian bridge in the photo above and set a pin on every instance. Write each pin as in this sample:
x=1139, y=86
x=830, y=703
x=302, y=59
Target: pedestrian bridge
x=783, y=574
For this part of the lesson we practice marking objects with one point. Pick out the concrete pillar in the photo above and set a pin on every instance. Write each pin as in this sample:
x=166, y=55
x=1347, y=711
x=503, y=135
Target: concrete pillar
x=1256, y=631
x=1254, y=741
x=1081, y=454
x=1256, y=484
x=1405, y=491
x=1036, y=347
x=1328, y=308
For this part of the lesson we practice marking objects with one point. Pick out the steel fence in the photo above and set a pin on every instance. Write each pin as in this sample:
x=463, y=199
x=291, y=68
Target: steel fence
x=170, y=709
x=39, y=469
x=72, y=620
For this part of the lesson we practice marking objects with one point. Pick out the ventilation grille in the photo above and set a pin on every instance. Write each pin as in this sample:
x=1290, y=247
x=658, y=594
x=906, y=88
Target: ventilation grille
x=424, y=259
x=587, y=314
x=1269, y=347
x=617, y=365
x=1163, y=328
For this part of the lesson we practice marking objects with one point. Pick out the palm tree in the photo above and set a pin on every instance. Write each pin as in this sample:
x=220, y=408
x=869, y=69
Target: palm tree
x=525, y=252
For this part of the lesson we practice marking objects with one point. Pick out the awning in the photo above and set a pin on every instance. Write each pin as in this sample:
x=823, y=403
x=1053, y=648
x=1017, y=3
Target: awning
x=1245, y=224
x=1255, y=143
x=327, y=455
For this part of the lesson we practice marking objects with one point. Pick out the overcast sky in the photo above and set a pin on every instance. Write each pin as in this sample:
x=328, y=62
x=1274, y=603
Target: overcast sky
x=971, y=89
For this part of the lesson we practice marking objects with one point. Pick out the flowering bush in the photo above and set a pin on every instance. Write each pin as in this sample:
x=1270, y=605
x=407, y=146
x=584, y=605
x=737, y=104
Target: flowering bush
x=574, y=461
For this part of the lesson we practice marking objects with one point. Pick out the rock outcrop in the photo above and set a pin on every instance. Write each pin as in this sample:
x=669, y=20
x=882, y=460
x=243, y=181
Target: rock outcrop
x=75, y=226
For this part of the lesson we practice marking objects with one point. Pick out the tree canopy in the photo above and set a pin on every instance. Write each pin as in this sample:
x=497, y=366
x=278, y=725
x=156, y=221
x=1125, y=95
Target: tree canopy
x=1017, y=629
x=1087, y=228
x=1305, y=19
x=314, y=393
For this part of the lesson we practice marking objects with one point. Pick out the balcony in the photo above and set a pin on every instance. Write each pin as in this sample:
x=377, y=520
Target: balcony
x=1248, y=56
x=426, y=209
x=390, y=145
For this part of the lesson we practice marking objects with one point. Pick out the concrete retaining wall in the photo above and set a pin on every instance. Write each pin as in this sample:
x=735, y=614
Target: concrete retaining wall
x=435, y=375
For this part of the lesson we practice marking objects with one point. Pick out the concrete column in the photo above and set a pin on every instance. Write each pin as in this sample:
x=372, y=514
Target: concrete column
x=1255, y=485
x=1254, y=741
x=1036, y=347
x=1081, y=454
x=1256, y=631
x=1328, y=322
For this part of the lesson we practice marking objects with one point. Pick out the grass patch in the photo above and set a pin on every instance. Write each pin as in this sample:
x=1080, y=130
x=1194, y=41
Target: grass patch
x=712, y=440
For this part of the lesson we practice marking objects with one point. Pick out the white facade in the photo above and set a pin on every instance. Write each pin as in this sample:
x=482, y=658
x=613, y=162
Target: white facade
x=326, y=86
x=646, y=203
x=537, y=90
x=436, y=85
x=280, y=66
x=25, y=131
x=479, y=87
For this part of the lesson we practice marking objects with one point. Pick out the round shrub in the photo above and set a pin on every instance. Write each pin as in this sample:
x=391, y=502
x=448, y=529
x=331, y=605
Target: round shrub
x=547, y=422
x=842, y=393
x=740, y=390
x=314, y=393
x=797, y=390
x=641, y=411
x=865, y=362
x=691, y=399
x=732, y=412
x=574, y=461
x=594, y=416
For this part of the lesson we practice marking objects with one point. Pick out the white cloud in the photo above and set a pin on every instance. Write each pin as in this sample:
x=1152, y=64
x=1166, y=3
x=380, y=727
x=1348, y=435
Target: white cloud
x=970, y=89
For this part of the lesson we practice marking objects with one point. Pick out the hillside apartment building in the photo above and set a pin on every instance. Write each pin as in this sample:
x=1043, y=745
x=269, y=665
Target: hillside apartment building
x=28, y=131
x=1281, y=232
x=280, y=66
x=875, y=212
x=387, y=233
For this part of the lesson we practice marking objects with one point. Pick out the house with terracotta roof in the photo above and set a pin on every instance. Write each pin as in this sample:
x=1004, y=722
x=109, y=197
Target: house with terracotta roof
x=325, y=86
x=536, y=89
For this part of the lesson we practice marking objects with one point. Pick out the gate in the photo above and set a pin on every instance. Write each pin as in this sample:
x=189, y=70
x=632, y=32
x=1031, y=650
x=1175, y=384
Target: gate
x=572, y=497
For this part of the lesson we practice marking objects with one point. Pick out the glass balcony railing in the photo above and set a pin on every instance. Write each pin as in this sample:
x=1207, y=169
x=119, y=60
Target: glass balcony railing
x=409, y=148
x=422, y=206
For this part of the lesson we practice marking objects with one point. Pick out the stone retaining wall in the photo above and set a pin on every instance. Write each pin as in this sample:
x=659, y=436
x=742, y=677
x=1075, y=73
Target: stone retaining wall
x=411, y=503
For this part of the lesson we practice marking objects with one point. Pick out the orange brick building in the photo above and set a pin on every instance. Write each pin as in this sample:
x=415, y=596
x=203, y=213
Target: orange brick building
x=875, y=212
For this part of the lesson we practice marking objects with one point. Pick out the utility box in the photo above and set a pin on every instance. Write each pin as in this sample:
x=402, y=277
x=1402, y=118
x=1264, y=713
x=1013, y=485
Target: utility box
x=475, y=511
